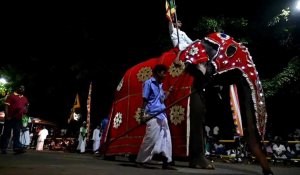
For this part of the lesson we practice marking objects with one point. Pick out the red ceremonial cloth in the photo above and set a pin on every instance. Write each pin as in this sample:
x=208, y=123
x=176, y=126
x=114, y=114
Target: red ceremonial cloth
x=127, y=102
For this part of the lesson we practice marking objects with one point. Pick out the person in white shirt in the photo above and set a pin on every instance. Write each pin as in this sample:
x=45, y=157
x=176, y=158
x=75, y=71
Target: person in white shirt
x=41, y=139
x=96, y=138
x=179, y=37
x=216, y=132
x=82, y=138
x=207, y=129
x=279, y=150
x=183, y=39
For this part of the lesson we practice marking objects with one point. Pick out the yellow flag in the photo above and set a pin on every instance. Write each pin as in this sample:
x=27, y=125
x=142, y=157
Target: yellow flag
x=74, y=115
x=77, y=102
x=170, y=10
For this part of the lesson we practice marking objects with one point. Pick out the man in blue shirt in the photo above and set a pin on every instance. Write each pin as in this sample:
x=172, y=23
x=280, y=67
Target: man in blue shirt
x=104, y=123
x=157, y=139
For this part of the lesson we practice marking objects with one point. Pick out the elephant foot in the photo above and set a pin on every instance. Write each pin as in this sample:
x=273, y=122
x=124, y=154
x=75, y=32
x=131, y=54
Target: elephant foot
x=268, y=172
x=203, y=164
x=207, y=167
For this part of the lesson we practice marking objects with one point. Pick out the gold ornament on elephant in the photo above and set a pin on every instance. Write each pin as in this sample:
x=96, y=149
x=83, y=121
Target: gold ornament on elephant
x=117, y=120
x=176, y=69
x=177, y=114
x=144, y=74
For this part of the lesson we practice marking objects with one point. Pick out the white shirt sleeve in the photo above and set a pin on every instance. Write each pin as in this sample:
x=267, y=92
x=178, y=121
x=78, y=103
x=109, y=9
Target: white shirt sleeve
x=184, y=40
x=171, y=28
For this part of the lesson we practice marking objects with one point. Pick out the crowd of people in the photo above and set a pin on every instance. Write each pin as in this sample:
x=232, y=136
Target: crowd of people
x=20, y=134
x=42, y=138
x=157, y=138
x=277, y=149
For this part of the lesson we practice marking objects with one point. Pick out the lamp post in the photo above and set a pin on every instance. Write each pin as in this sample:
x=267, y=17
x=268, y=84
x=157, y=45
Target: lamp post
x=298, y=5
x=3, y=81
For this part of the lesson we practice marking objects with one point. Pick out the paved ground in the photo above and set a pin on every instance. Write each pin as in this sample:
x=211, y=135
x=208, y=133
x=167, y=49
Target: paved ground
x=56, y=163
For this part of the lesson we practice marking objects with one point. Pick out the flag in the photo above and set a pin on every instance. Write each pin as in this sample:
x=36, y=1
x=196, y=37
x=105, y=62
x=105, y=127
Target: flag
x=75, y=114
x=235, y=107
x=88, y=116
x=170, y=10
x=77, y=102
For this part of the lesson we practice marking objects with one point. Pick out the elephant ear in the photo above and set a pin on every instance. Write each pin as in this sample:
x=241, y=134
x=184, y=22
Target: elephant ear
x=194, y=53
x=233, y=55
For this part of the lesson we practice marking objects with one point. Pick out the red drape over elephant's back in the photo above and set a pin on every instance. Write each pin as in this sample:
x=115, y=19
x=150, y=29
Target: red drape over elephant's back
x=128, y=99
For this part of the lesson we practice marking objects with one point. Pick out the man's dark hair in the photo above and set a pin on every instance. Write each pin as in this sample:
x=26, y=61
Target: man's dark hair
x=158, y=68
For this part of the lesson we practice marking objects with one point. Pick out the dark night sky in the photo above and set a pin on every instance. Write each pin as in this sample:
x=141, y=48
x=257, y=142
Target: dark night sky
x=105, y=38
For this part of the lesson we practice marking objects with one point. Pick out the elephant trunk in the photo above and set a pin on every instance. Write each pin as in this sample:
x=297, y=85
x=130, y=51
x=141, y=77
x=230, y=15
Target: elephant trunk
x=231, y=56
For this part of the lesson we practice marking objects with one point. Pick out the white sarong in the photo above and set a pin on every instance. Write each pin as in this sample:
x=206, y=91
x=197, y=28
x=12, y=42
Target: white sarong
x=157, y=140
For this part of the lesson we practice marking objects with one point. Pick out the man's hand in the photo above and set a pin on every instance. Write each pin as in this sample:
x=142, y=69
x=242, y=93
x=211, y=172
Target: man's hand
x=142, y=114
x=145, y=118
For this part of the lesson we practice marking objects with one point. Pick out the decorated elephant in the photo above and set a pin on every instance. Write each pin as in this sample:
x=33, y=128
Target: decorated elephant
x=216, y=59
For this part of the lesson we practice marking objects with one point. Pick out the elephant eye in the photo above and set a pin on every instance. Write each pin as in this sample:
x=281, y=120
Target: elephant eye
x=231, y=50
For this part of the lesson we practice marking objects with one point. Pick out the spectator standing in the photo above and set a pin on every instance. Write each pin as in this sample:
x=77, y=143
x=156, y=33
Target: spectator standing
x=103, y=131
x=35, y=136
x=216, y=132
x=25, y=135
x=16, y=106
x=82, y=138
x=207, y=130
x=96, y=139
x=104, y=123
x=41, y=139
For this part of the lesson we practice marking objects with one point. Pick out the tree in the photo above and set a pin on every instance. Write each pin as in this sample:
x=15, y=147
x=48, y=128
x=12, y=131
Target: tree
x=288, y=79
x=283, y=28
x=12, y=75
x=207, y=25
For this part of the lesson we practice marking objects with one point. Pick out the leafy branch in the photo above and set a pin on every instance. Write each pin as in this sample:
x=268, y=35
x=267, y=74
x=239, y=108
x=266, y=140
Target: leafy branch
x=284, y=15
x=290, y=75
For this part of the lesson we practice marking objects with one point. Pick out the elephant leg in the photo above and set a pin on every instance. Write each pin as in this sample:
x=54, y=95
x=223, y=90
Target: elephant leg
x=254, y=144
x=197, y=157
